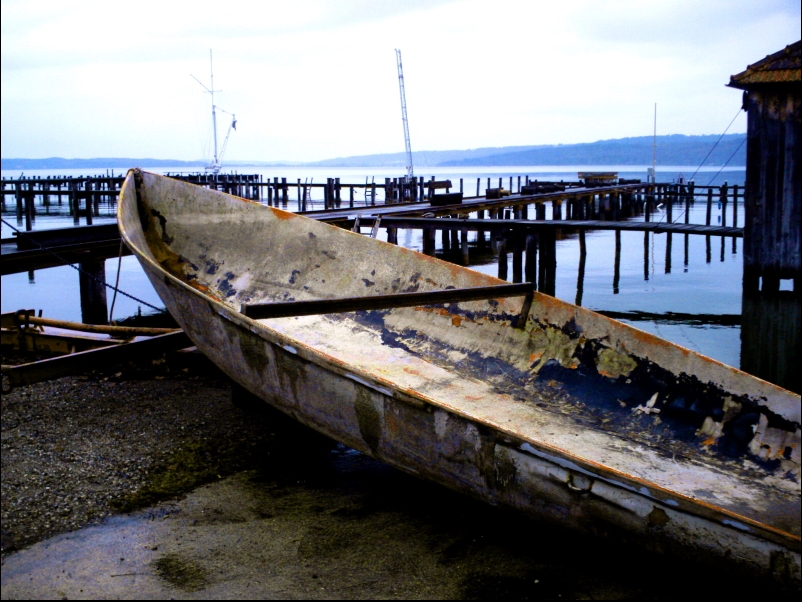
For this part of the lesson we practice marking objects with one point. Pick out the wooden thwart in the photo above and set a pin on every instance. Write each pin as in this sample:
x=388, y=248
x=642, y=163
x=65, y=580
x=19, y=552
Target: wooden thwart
x=329, y=306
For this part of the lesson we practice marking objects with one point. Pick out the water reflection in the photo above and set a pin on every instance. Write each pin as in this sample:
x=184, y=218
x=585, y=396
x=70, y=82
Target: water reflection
x=770, y=337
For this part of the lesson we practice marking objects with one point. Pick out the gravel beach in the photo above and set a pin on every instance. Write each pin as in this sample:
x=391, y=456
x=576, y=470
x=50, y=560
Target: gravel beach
x=78, y=449
x=164, y=480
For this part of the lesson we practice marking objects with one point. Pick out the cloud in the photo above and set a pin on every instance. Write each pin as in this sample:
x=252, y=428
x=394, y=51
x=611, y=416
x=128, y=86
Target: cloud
x=314, y=79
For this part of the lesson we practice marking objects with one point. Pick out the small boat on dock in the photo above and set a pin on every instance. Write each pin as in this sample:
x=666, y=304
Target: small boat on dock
x=487, y=387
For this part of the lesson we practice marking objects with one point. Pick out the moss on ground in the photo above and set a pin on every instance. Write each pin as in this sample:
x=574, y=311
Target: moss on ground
x=189, y=466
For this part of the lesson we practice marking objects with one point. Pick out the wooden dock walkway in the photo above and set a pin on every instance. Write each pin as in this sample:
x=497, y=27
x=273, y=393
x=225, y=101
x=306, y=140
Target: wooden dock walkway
x=43, y=249
x=474, y=225
x=518, y=225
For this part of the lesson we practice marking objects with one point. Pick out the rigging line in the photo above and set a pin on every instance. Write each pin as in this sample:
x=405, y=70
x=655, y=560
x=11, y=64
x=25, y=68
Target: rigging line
x=116, y=283
x=74, y=267
x=727, y=162
x=716, y=144
x=681, y=213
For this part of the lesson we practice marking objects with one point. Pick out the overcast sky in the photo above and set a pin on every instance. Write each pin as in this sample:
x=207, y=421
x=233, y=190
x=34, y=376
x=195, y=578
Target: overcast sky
x=313, y=80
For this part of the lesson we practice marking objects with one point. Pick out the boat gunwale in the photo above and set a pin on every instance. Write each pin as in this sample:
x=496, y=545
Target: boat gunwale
x=674, y=500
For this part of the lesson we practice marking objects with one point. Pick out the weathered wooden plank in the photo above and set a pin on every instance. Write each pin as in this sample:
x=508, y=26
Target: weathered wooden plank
x=511, y=224
x=23, y=261
x=27, y=374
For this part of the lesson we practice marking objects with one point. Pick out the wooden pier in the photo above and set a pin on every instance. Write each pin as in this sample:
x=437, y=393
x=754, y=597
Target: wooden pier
x=85, y=196
x=522, y=224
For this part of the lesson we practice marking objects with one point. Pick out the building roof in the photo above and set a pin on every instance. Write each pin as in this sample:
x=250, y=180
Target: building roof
x=783, y=67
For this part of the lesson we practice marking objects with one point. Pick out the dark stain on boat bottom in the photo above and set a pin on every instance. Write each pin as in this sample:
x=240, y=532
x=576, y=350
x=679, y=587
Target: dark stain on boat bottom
x=368, y=417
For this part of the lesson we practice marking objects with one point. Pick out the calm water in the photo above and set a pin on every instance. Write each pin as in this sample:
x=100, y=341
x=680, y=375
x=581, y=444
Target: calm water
x=651, y=280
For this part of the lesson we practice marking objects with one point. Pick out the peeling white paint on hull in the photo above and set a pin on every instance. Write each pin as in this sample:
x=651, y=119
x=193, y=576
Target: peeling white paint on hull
x=575, y=418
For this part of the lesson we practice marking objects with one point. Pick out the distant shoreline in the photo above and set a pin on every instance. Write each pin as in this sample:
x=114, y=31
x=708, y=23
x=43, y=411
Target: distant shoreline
x=673, y=150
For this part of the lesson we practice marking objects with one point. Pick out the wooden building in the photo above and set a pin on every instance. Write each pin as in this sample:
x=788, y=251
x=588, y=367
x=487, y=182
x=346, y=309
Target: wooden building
x=773, y=194
x=771, y=326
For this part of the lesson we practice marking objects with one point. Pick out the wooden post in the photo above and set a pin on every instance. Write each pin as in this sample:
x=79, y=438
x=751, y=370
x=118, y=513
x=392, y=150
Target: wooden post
x=477, y=185
x=337, y=192
x=688, y=201
x=547, y=264
x=517, y=255
x=95, y=199
x=771, y=336
x=19, y=201
x=501, y=243
x=687, y=236
x=75, y=201
x=668, y=252
x=580, y=277
x=530, y=269
x=27, y=196
x=617, y=267
x=428, y=240
x=734, y=207
x=466, y=258
x=92, y=280
x=646, y=256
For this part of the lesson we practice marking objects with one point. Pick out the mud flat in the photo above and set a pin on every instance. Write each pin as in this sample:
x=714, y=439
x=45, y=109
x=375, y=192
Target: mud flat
x=148, y=482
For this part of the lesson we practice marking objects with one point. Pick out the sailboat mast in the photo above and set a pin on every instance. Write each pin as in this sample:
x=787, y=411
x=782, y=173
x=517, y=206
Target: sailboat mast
x=654, y=146
x=407, y=145
x=214, y=113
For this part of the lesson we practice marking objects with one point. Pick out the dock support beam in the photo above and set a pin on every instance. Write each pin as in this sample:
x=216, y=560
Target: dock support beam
x=92, y=279
x=547, y=266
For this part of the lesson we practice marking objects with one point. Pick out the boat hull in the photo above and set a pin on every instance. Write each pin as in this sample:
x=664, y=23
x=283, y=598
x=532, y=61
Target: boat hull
x=478, y=453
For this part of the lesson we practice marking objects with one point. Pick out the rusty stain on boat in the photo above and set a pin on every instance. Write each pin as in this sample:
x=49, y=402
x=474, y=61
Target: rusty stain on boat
x=574, y=418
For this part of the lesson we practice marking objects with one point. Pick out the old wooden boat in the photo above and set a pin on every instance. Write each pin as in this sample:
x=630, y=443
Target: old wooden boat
x=519, y=399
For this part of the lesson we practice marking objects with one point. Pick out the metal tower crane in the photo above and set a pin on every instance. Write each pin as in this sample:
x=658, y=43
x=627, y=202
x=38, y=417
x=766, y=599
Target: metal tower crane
x=410, y=172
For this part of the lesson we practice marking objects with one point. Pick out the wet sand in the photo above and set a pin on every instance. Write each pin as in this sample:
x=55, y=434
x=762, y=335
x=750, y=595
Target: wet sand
x=283, y=513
